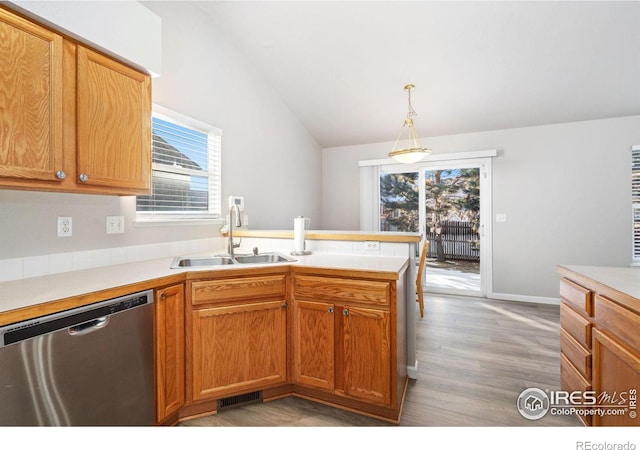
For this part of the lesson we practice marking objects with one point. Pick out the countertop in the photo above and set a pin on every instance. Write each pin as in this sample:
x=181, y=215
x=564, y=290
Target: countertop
x=622, y=283
x=46, y=294
x=333, y=235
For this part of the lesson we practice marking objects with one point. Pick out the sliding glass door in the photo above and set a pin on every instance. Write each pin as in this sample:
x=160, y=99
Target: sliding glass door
x=446, y=202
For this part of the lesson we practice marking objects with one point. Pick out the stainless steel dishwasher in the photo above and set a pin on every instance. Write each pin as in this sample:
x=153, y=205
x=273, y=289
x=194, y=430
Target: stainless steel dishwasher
x=91, y=365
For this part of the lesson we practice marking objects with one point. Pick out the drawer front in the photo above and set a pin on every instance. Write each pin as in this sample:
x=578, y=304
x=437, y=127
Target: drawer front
x=572, y=380
x=576, y=325
x=579, y=297
x=579, y=356
x=619, y=321
x=212, y=291
x=368, y=292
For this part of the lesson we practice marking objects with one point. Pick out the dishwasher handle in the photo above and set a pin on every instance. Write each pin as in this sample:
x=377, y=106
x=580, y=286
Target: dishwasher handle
x=88, y=327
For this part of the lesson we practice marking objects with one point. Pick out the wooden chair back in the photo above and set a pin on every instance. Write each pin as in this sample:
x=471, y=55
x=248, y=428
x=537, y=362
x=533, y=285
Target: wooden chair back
x=420, y=276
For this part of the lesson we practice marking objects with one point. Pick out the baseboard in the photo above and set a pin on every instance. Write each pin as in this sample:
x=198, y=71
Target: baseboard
x=525, y=298
x=412, y=371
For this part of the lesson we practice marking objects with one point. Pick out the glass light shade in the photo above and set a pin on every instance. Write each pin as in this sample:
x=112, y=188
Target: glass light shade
x=415, y=152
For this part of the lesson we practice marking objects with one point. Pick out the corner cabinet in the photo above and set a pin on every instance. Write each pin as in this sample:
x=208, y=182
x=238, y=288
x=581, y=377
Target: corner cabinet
x=170, y=359
x=347, y=341
x=73, y=119
x=238, y=335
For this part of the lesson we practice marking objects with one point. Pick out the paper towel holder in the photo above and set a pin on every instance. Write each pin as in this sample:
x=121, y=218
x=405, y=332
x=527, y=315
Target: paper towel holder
x=304, y=251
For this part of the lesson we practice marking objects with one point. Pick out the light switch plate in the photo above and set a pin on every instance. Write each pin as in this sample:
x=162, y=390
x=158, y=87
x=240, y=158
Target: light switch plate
x=115, y=224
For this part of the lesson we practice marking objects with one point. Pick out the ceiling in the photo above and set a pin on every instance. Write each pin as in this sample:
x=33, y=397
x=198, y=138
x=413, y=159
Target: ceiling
x=341, y=66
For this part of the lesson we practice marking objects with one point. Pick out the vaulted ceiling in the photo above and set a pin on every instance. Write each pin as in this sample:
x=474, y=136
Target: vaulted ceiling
x=341, y=66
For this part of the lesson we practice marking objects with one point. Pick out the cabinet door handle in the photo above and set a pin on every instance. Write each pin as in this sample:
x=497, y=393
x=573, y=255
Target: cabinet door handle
x=84, y=177
x=162, y=296
x=330, y=309
x=283, y=306
x=61, y=175
x=345, y=312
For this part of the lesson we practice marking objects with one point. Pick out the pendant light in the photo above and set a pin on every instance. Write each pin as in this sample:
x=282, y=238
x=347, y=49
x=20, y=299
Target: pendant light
x=414, y=152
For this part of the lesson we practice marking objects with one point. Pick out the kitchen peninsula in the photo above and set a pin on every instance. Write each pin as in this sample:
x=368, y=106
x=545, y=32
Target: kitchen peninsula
x=330, y=327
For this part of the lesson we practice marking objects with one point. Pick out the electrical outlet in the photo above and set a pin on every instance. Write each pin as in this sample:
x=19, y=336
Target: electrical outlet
x=115, y=224
x=501, y=217
x=371, y=245
x=65, y=228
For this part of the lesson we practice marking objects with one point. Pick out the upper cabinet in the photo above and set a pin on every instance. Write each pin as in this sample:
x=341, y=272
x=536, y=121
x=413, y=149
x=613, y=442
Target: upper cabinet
x=72, y=119
x=30, y=100
x=113, y=123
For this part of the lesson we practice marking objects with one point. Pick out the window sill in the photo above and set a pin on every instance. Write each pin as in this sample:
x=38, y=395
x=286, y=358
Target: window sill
x=170, y=222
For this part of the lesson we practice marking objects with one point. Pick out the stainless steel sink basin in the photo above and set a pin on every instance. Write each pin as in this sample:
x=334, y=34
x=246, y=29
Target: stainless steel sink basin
x=201, y=261
x=263, y=258
x=220, y=260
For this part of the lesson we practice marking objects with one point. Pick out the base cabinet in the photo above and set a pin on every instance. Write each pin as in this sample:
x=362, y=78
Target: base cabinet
x=600, y=349
x=344, y=339
x=331, y=337
x=238, y=335
x=367, y=354
x=314, y=348
x=616, y=375
x=170, y=361
x=238, y=348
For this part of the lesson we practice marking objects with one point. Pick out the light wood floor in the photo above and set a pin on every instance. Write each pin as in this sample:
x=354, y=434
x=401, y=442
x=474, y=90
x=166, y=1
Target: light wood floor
x=475, y=357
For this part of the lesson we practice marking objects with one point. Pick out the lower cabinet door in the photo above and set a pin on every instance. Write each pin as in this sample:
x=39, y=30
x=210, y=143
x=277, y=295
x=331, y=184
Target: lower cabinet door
x=313, y=344
x=616, y=379
x=238, y=348
x=367, y=354
x=170, y=361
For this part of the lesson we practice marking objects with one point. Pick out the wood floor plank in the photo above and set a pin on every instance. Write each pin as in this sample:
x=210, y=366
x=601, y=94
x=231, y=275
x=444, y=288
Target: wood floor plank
x=475, y=358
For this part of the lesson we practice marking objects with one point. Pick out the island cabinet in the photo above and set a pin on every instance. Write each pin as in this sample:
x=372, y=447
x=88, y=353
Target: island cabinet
x=347, y=342
x=73, y=119
x=237, y=334
x=170, y=360
x=600, y=344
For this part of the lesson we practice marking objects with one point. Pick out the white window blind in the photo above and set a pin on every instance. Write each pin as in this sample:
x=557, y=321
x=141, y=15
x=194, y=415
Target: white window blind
x=635, y=196
x=186, y=169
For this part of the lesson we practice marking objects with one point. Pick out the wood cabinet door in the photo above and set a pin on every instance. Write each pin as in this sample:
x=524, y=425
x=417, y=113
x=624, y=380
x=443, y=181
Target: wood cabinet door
x=113, y=123
x=616, y=376
x=30, y=100
x=367, y=354
x=170, y=361
x=313, y=344
x=238, y=348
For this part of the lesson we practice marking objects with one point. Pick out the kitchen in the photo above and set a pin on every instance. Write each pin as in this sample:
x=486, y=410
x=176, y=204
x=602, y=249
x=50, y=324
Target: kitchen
x=263, y=135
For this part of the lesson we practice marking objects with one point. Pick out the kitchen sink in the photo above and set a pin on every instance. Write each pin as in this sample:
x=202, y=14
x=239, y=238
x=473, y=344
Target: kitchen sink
x=262, y=258
x=201, y=261
x=221, y=260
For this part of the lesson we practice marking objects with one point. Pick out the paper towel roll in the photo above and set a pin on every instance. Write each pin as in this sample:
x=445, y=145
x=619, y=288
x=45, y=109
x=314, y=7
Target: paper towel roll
x=298, y=234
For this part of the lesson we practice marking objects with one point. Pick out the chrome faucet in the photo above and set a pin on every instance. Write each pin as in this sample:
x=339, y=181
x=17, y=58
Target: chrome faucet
x=238, y=220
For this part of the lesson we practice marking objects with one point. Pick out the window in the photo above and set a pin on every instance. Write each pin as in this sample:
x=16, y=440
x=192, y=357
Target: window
x=186, y=169
x=635, y=199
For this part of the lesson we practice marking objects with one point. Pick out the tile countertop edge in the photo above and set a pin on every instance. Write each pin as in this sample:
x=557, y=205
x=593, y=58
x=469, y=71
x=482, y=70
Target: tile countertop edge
x=333, y=235
x=57, y=292
x=621, y=283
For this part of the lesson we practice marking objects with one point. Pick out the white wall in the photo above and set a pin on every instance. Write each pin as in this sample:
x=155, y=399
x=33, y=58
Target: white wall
x=137, y=40
x=565, y=190
x=267, y=155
